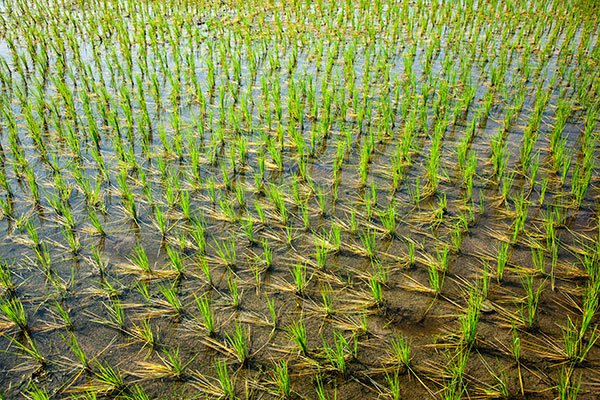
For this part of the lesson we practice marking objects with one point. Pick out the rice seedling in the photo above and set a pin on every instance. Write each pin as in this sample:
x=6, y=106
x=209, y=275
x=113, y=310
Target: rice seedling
x=327, y=299
x=128, y=198
x=140, y=259
x=272, y=311
x=6, y=281
x=278, y=200
x=436, y=279
x=321, y=251
x=411, y=253
x=239, y=343
x=227, y=385
x=211, y=190
x=539, y=260
x=353, y=222
x=30, y=349
x=206, y=270
x=388, y=219
x=261, y=212
x=228, y=211
x=502, y=260
x=93, y=216
x=507, y=183
x=381, y=271
x=74, y=345
x=31, y=180
x=72, y=240
x=456, y=239
x=160, y=221
x=109, y=379
x=137, y=394
x=415, y=193
x=33, y=234
x=566, y=387
x=590, y=306
x=575, y=346
x=369, y=241
x=322, y=200
x=98, y=262
x=297, y=331
x=336, y=355
x=142, y=332
x=442, y=258
x=248, y=227
x=267, y=255
x=454, y=385
x=13, y=312
x=115, y=312
x=335, y=237
x=370, y=201
x=300, y=279
x=177, y=262
x=281, y=377
x=399, y=350
x=63, y=315
x=226, y=252
x=206, y=311
x=532, y=298
x=321, y=393
x=376, y=291
x=185, y=205
x=6, y=207
x=171, y=297
x=394, y=386
x=36, y=393
x=171, y=367
x=470, y=319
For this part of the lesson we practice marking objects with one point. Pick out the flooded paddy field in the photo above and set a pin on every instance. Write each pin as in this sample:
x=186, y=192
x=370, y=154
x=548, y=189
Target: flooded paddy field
x=299, y=199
